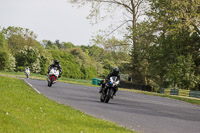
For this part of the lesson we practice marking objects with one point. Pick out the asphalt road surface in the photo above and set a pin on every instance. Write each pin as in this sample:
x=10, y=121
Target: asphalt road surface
x=142, y=113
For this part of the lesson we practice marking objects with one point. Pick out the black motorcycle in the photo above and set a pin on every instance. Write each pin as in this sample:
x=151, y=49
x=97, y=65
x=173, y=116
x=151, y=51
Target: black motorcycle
x=108, y=90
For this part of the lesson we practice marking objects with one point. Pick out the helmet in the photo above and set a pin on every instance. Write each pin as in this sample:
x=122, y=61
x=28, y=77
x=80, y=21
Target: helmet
x=56, y=62
x=116, y=70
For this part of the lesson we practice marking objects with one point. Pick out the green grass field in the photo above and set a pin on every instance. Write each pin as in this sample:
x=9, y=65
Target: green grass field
x=24, y=110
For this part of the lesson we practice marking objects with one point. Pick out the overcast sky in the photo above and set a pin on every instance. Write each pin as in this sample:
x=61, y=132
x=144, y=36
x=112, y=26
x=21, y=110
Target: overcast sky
x=49, y=19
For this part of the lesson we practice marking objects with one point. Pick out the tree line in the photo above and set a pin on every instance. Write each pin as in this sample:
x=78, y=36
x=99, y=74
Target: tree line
x=20, y=49
x=164, y=38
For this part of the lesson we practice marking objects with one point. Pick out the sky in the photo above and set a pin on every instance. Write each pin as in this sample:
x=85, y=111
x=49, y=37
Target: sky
x=50, y=20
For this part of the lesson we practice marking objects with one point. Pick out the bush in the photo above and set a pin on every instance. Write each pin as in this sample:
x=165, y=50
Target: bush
x=70, y=68
x=3, y=60
x=11, y=63
x=30, y=57
x=89, y=72
x=20, y=69
x=44, y=64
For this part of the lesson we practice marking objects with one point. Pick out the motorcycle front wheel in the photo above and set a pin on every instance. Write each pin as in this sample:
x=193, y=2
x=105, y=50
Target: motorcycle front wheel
x=50, y=82
x=102, y=97
x=108, y=96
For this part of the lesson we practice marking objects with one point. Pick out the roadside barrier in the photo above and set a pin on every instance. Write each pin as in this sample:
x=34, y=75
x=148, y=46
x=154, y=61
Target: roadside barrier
x=194, y=94
x=174, y=92
x=181, y=92
x=96, y=81
x=166, y=91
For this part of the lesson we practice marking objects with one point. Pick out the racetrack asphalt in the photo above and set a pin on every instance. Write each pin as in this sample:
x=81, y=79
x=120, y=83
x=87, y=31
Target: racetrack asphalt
x=139, y=112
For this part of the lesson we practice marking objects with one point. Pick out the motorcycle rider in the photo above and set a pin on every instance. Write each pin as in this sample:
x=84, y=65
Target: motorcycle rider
x=115, y=72
x=56, y=64
x=27, y=72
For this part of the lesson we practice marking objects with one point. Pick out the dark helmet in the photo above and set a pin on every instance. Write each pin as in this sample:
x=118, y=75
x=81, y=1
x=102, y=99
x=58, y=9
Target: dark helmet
x=56, y=62
x=116, y=70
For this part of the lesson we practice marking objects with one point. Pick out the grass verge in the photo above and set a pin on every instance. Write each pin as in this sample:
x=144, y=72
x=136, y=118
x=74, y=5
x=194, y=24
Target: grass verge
x=181, y=98
x=44, y=77
x=23, y=110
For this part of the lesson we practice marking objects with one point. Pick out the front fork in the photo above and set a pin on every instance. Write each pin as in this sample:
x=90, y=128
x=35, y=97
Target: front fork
x=48, y=79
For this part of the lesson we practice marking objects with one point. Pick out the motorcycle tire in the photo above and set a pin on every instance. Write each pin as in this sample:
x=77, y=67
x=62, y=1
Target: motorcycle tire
x=108, y=96
x=102, y=97
x=50, y=82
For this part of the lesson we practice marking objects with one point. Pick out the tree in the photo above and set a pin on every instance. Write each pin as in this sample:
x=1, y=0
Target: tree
x=7, y=61
x=58, y=44
x=3, y=43
x=96, y=55
x=28, y=57
x=130, y=10
x=181, y=73
x=81, y=58
x=89, y=72
x=67, y=45
x=176, y=26
x=18, y=37
x=145, y=37
x=47, y=44
x=85, y=63
x=11, y=63
x=71, y=69
x=45, y=61
x=3, y=60
x=114, y=54
x=188, y=14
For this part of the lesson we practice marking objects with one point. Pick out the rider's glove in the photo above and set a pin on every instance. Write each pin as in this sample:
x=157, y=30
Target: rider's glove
x=59, y=76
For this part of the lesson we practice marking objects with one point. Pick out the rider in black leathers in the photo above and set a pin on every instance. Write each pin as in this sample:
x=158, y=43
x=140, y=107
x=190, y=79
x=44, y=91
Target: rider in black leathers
x=56, y=64
x=115, y=72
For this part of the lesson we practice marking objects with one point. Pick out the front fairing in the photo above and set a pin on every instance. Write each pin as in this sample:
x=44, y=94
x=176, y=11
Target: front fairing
x=54, y=72
x=113, y=81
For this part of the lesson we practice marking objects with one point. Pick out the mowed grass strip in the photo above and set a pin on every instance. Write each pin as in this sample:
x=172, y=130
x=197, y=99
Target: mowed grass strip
x=44, y=77
x=181, y=98
x=24, y=110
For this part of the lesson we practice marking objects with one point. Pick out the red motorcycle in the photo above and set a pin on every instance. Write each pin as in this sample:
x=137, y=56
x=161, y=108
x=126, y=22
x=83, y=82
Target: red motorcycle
x=52, y=76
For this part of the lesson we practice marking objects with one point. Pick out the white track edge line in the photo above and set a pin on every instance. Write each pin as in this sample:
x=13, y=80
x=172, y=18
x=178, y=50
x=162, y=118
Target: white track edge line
x=32, y=86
